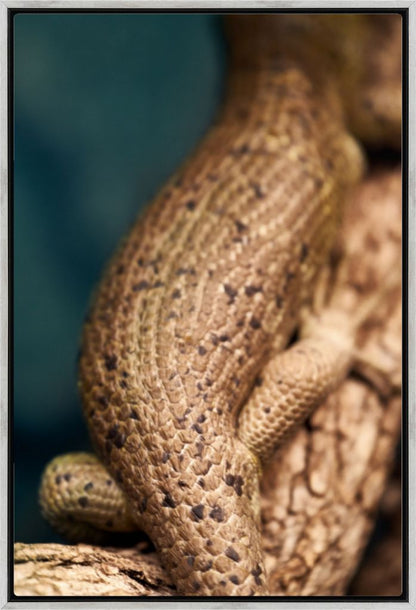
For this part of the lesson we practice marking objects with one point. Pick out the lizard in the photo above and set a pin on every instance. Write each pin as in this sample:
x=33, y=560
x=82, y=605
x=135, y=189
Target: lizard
x=187, y=382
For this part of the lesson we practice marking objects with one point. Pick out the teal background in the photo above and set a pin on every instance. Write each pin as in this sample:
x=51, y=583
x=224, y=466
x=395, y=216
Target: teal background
x=106, y=107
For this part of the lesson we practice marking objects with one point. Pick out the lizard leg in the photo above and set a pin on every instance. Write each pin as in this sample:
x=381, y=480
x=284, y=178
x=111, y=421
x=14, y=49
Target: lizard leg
x=81, y=500
x=293, y=383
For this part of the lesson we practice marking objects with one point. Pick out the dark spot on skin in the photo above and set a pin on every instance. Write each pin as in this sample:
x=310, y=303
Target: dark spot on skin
x=279, y=301
x=304, y=252
x=201, y=483
x=256, y=573
x=227, y=465
x=133, y=414
x=141, y=286
x=109, y=523
x=258, y=381
x=110, y=362
x=168, y=501
x=289, y=276
x=199, y=386
x=266, y=409
x=207, y=566
x=190, y=205
x=240, y=323
x=234, y=579
x=83, y=501
x=143, y=505
x=318, y=182
x=88, y=486
x=214, y=339
x=201, y=350
x=255, y=323
x=171, y=315
x=176, y=294
x=109, y=482
x=201, y=419
x=67, y=477
x=199, y=447
x=184, y=271
x=112, y=431
x=120, y=269
x=243, y=149
x=258, y=190
x=103, y=401
x=165, y=457
x=217, y=514
x=197, y=512
x=232, y=554
x=238, y=485
x=197, y=428
x=58, y=479
x=224, y=338
x=236, y=482
x=190, y=560
x=229, y=290
x=219, y=411
x=123, y=384
x=240, y=226
x=182, y=484
x=251, y=290
x=196, y=585
x=236, y=381
x=209, y=542
x=205, y=397
x=223, y=583
x=158, y=284
x=229, y=480
x=208, y=382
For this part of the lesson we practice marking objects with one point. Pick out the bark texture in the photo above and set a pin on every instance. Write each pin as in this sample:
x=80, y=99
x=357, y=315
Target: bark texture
x=321, y=493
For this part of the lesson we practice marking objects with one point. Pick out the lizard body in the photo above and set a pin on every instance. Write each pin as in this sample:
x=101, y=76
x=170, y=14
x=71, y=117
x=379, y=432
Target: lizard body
x=207, y=288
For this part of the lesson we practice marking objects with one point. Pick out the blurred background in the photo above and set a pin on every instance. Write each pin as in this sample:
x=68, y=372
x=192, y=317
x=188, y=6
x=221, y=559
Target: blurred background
x=106, y=107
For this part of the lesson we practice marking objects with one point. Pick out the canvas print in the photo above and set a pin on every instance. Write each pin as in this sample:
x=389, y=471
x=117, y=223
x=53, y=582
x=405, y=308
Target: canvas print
x=207, y=304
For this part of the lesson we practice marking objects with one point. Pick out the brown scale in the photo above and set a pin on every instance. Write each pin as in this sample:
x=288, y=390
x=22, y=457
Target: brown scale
x=206, y=288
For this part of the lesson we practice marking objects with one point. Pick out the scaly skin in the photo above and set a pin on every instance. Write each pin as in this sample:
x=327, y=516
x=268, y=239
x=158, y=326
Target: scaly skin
x=207, y=287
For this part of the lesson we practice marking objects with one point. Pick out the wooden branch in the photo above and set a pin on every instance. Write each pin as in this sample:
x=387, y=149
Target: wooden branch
x=320, y=495
x=381, y=570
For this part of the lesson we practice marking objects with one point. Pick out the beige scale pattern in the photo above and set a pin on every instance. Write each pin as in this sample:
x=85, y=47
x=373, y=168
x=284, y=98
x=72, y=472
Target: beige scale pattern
x=195, y=308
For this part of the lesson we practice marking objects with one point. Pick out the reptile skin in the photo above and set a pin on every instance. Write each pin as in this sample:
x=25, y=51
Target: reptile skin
x=205, y=293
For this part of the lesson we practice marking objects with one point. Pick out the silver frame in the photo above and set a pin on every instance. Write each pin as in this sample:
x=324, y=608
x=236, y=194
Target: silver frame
x=209, y=5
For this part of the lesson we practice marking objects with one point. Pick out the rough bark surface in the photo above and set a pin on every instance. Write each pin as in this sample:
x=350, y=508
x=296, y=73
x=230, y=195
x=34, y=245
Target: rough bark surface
x=321, y=493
